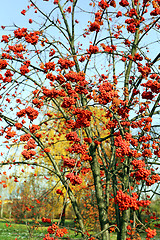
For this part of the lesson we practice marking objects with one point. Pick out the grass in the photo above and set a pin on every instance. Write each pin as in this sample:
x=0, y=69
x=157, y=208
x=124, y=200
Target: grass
x=22, y=231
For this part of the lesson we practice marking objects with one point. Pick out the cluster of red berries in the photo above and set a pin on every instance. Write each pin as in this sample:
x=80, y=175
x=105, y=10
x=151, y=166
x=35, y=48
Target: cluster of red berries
x=31, y=113
x=48, y=220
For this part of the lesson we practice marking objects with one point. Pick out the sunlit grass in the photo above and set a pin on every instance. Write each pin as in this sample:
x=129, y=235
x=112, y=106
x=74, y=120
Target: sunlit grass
x=11, y=231
x=19, y=231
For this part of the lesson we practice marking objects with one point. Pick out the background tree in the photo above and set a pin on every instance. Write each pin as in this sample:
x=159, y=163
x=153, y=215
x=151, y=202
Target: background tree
x=77, y=60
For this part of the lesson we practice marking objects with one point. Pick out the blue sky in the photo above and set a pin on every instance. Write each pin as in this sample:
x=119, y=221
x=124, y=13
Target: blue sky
x=10, y=11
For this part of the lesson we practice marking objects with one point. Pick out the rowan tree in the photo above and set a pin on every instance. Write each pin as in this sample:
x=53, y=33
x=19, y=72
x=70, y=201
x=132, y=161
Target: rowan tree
x=75, y=59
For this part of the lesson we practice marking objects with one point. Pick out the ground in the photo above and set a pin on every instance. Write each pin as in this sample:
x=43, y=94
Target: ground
x=22, y=231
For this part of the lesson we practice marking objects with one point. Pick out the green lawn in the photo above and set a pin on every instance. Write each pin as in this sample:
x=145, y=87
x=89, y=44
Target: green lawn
x=21, y=231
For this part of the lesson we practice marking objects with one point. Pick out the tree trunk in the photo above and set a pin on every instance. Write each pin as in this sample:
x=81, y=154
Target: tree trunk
x=63, y=215
x=123, y=227
x=99, y=194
